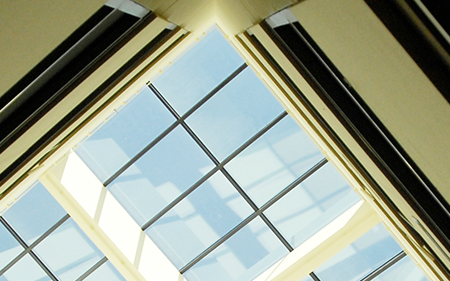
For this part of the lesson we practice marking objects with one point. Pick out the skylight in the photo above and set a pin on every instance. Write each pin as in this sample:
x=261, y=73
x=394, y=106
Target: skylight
x=40, y=241
x=213, y=169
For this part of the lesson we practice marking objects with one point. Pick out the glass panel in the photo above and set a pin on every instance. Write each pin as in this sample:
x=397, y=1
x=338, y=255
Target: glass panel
x=68, y=252
x=234, y=114
x=307, y=278
x=312, y=205
x=405, y=269
x=25, y=269
x=199, y=220
x=275, y=160
x=106, y=272
x=162, y=174
x=243, y=257
x=198, y=71
x=361, y=257
x=9, y=247
x=34, y=213
x=122, y=137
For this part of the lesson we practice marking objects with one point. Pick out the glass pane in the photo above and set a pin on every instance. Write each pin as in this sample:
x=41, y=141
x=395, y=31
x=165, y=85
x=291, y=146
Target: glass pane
x=34, y=213
x=162, y=174
x=106, y=272
x=244, y=256
x=198, y=71
x=275, y=160
x=405, y=269
x=307, y=278
x=361, y=257
x=68, y=252
x=25, y=269
x=9, y=247
x=127, y=133
x=234, y=114
x=312, y=205
x=207, y=214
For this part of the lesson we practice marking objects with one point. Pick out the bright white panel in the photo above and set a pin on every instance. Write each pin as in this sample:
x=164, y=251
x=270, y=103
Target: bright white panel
x=82, y=184
x=154, y=264
x=120, y=227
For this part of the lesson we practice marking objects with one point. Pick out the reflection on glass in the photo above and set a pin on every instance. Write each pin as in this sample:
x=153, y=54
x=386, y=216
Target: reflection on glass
x=68, y=252
x=207, y=214
x=403, y=270
x=198, y=71
x=106, y=272
x=312, y=205
x=275, y=160
x=25, y=269
x=162, y=174
x=9, y=247
x=243, y=257
x=34, y=214
x=361, y=257
x=234, y=114
x=122, y=137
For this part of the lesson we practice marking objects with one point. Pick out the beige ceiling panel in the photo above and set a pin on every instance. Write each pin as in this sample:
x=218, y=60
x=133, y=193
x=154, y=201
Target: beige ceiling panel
x=157, y=6
x=189, y=14
x=387, y=78
x=32, y=29
x=261, y=9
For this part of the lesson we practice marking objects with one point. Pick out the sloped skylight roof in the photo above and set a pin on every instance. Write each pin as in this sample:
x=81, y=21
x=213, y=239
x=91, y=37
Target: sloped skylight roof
x=213, y=169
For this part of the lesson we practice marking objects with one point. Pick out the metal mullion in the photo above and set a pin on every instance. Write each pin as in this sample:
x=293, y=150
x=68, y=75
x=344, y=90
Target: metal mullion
x=92, y=269
x=314, y=276
x=28, y=249
x=277, y=233
x=49, y=231
x=256, y=209
x=241, y=225
x=200, y=143
x=294, y=184
x=179, y=198
x=43, y=266
x=202, y=100
x=218, y=242
x=141, y=153
x=179, y=119
x=214, y=170
x=385, y=266
x=21, y=242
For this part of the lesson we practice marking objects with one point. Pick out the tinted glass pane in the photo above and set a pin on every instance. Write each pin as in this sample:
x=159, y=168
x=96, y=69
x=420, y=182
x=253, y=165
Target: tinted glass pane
x=122, y=137
x=25, y=269
x=275, y=160
x=199, y=220
x=162, y=174
x=106, y=272
x=34, y=213
x=68, y=252
x=9, y=247
x=403, y=270
x=361, y=257
x=234, y=114
x=198, y=71
x=243, y=257
x=312, y=205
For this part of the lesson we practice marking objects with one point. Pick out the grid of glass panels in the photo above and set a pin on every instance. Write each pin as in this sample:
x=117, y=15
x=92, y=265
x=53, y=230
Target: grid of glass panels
x=39, y=241
x=213, y=169
x=374, y=256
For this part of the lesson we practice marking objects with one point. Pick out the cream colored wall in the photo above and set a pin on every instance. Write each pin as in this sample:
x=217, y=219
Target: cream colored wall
x=387, y=78
x=234, y=16
x=32, y=29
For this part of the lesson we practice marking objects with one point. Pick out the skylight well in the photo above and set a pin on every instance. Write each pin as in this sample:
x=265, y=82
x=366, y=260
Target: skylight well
x=201, y=175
